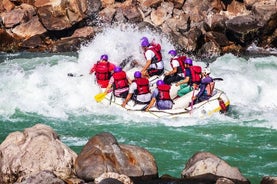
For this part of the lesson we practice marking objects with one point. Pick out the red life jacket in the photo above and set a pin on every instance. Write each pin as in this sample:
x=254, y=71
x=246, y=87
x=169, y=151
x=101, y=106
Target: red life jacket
x=181, y=67
x=102, y=71
x=120, y=80
x=164, y=92
x=156, y=48
x=195, y=74
x=142, y=86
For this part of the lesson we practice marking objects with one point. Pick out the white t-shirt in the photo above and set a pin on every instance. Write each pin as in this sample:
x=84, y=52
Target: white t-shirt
x=142, y=98
x=175, y=63
x=149, y=54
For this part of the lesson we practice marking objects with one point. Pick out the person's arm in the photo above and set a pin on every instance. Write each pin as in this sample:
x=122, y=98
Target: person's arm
x=108, y=88
x=144, y=69
x=200, y=93
x=92, y=69
x=127, y=99
x=186, y=80
x=172, y=71
x=152, y=102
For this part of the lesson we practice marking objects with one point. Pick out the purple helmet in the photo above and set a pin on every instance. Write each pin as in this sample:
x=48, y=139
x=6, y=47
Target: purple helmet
x=159, y=82
x=144, y=43
x=144, y=38
x=172, y=52
x=104, y=57
x=137, y=74
x=117, y=69
x=188, y=61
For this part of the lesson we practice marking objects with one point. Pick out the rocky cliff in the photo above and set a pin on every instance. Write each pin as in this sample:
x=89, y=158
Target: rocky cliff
x=203, y=28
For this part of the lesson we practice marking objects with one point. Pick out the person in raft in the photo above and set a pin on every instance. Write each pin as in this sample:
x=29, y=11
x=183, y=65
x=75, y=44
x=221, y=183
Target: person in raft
x=192, y=78
x=206, y=87
x=139, y=90
x=152, y=53
x=161, y=96
x=119, y=83
x=103, y=71
x=177, y=64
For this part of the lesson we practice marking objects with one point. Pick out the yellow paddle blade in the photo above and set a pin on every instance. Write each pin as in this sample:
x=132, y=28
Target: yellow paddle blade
x=99, y=97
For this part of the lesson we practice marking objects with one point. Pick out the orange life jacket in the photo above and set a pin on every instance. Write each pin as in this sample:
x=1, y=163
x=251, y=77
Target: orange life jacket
x=120, y=80
x=142, y=86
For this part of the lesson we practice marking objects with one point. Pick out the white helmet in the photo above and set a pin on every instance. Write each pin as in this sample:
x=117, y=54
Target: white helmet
x=207, y=70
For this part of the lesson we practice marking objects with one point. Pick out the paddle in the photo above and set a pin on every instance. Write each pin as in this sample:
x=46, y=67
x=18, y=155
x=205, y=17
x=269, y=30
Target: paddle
x=219, y=79
x=191, y=103
x=74, y=75
x=100, y=96
x=125, y=61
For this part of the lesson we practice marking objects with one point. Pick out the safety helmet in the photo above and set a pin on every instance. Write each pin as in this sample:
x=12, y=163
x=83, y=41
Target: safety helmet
x=159, y=82
x=172, y=52
x=104, y=57
x=207, y=70
x=144, y=38
x=137, y=74
x=188, y=61
x=117, y=69
x=144, y=43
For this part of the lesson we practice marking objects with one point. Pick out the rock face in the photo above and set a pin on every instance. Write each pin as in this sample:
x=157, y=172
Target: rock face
x=103, y=154
x=210, y=28
x=35, y=149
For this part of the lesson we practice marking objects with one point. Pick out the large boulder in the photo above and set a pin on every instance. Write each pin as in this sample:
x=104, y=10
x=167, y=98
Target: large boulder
x=60, y=14
x=203, y=163
x=35, y=149
x=104, y=154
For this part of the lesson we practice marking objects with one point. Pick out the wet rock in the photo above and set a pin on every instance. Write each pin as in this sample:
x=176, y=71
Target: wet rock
x=205, y=162
x=104, y=154
x=29, y=29
x=43, y=177
x=269, y=180
x=38, y=148
x=111, y=177
x=242, y=29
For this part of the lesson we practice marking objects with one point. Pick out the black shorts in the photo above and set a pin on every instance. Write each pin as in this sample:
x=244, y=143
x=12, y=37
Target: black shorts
x=154, y=71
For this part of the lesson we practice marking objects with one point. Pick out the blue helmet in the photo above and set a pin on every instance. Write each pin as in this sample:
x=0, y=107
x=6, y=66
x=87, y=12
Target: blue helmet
x=137, y=74
x=104, y=57
x=159, y=82
x=144, y=43
x=188, y=61
x=172, y=52
x=117, y=69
